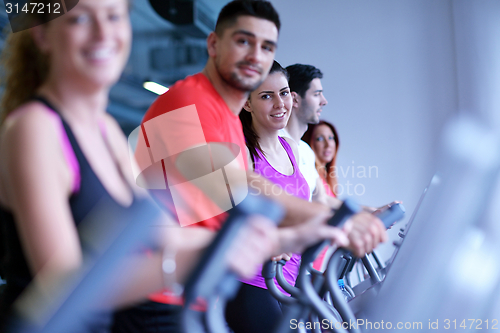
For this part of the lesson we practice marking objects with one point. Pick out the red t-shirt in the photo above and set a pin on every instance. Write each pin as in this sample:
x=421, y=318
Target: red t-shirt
x=218, y=124
x=217, y=121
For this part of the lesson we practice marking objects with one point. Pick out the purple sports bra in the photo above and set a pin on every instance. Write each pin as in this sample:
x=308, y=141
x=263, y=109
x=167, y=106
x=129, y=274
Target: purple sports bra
x=294, y=184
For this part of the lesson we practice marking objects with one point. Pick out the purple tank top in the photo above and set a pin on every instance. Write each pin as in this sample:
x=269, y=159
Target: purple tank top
x=294, y=184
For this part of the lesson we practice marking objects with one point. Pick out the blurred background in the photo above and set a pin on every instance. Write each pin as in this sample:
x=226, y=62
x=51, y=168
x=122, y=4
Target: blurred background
x=394, y=72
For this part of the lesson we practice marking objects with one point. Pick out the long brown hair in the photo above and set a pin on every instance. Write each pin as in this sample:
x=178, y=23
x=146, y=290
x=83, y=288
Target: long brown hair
x=25, y=67
x=329, y=172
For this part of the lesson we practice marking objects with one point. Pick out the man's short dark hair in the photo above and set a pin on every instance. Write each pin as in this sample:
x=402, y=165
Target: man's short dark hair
x=301, y=77
x=256, y=8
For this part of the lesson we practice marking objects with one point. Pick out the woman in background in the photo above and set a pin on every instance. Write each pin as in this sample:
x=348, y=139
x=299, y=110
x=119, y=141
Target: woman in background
x=324, y=141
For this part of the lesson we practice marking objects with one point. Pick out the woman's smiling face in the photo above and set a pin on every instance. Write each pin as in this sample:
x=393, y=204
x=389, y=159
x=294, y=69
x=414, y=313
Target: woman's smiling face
x=323, y=143
x=271, y=103
x=91, y=42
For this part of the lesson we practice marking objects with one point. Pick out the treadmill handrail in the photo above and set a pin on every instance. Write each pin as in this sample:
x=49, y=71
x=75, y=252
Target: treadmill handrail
x=211, y=277
x=269, y=273
x=292, y=290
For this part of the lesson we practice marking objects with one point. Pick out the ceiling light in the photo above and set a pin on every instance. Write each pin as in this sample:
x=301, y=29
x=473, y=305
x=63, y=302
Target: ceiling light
x=155, y=87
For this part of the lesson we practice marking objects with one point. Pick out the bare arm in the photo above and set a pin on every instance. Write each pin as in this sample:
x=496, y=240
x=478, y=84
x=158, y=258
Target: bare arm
x=47, y=230
x=37, y=185
x=320, y=195
x=297, y=210
x=256, y=242
x=365, y=231
x=298, y=238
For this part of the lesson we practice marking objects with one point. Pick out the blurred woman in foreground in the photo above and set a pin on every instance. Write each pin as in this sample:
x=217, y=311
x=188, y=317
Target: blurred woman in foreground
x=62, y=154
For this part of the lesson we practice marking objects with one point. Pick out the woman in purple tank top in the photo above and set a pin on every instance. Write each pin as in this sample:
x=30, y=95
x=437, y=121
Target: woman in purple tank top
x=275, y=158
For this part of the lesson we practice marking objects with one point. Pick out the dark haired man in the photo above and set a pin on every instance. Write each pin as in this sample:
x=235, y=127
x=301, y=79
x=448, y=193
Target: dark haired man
x=308, y=101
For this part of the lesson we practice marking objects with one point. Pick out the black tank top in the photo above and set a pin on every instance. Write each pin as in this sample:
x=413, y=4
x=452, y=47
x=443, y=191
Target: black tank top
x=15, y=266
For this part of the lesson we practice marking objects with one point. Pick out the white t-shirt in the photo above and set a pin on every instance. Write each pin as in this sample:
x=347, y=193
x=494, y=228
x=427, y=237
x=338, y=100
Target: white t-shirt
x=307, y=161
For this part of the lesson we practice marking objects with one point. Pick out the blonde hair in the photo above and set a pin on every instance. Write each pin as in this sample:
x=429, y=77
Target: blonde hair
x=25, y=69
x=25, y=66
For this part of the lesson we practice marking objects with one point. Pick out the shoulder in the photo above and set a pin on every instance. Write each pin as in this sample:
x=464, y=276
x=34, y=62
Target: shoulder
x=30, y=146
x=293, y=146
x=305, y=149
x=32, y=123
x=283, y=133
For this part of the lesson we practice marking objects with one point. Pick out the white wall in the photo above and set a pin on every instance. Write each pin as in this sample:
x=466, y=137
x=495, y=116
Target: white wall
x=477, y=34
x=389, y=77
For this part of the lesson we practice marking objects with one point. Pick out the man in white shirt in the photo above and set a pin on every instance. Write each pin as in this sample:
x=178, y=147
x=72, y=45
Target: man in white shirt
x=308, y=101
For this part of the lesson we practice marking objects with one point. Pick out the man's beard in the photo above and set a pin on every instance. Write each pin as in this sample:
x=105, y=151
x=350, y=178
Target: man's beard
x=314, y=119
x=310, y=117
x=238, y=82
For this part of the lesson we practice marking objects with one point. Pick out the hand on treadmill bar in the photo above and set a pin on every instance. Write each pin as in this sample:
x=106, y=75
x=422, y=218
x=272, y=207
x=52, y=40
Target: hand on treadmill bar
x=365, y=231
x=299, y=237
x=379, y=210
x=283, y=256
x=256, y=242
